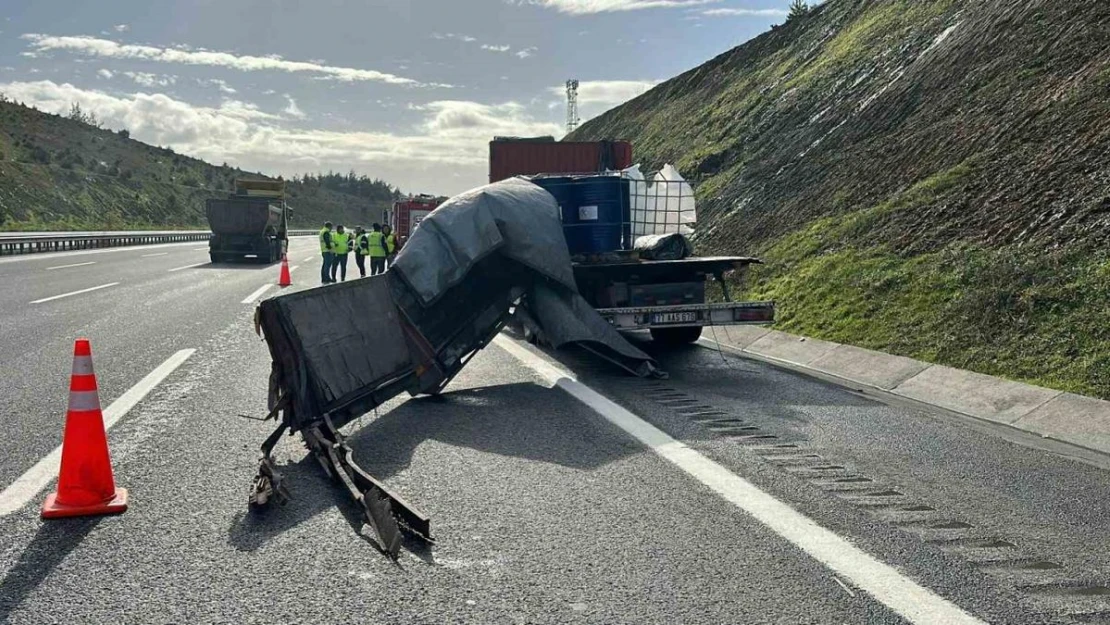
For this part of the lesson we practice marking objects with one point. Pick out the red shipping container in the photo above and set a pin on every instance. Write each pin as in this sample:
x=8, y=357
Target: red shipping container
x=517, y=157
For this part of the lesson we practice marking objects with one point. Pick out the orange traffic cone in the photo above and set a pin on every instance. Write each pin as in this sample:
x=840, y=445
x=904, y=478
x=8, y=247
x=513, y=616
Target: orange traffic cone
x=85, y=484
x=284, y=279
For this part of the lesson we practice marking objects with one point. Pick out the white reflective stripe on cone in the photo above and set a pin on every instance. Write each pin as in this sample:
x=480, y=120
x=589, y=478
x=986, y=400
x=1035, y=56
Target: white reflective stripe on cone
x=82, y=365
x=83, y=401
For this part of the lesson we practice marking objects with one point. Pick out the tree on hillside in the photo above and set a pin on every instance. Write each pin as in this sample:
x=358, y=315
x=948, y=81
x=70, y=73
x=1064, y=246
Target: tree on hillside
x=78, y=115
x=798, y=8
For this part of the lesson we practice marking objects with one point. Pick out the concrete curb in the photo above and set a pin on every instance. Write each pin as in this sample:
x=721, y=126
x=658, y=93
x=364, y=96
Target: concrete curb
x=1066, y=417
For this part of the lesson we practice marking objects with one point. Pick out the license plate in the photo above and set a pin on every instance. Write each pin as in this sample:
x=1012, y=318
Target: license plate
x=675, y=317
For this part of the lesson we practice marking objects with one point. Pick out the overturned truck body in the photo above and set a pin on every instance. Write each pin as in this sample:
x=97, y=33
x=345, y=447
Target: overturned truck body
x=480, y=257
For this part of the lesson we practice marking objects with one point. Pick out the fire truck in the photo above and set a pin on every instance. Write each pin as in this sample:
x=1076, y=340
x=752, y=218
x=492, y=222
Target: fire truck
x=405, y=215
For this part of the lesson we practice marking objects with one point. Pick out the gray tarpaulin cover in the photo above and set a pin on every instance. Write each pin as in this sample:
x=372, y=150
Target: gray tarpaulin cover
x=519, y=221
x=343, y=349
x=672, y=246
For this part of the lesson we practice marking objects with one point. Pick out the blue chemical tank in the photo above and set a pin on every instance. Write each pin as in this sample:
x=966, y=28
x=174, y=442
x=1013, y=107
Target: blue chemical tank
x=595, y=211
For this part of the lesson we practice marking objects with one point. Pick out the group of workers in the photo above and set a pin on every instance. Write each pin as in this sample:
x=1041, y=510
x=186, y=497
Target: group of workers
x=379, y=245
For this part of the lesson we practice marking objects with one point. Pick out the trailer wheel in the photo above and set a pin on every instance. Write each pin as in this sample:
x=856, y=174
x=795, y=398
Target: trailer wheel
x=215, y=258
x=676, y=336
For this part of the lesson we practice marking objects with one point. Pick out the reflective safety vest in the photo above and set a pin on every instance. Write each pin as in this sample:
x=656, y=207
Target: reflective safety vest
x=362, y=244
x=324, y=247
x=342, y=242
x=376, y=248
x=391, y=243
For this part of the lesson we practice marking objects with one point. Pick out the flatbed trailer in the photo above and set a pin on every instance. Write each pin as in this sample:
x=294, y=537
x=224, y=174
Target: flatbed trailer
x=667, y=297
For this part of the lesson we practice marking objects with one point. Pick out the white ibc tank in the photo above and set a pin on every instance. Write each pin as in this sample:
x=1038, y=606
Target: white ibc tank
x=638, y=198
x=675, y=207
x=663, y=205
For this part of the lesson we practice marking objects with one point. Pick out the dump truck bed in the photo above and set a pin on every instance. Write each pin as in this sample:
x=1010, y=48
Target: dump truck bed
x=243, y=216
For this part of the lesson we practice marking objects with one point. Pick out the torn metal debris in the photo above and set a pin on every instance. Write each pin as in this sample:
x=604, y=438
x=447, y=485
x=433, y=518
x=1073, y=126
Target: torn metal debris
x=450, y=291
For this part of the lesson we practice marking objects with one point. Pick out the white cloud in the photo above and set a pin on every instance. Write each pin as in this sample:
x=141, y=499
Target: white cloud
x=219, y=84
x=122, y=28
x=453, y=135
x=607, y=92
x=526, y=52
x=151, y=80
x=486, y=46
x=587, y=7
x=92, y=46
x=293, y=110
x=723, y=12
x=246, y=111
x=455, y=36
x=104, y=73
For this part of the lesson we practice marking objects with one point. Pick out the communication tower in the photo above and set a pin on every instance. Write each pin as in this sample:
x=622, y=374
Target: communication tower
x=572, y=105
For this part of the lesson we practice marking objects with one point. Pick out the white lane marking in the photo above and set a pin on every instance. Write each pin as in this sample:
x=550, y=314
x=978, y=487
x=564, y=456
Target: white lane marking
x=27, y=486
x=294, y=268
x=308, y=259
x=90, y=289
x=186, y=267
x=200, y=249
x=91, y=262
x=915, y=603
x=257, y=294
x=158, y=254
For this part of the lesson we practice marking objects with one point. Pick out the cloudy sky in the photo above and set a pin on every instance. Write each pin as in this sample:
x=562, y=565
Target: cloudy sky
x=407, y=91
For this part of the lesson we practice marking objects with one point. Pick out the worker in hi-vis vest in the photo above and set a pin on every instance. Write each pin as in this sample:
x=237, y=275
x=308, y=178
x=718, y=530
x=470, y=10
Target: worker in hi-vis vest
x=359, y=244
x=342, y=240
x=327, y=248
x=377, y=250
x=390, y=245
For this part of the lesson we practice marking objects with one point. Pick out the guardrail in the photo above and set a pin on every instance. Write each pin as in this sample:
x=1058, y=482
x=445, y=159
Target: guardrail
x=33, y=242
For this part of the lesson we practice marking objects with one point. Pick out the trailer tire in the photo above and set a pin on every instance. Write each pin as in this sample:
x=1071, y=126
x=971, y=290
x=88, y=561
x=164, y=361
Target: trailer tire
x=215, y=258
x=676, y=336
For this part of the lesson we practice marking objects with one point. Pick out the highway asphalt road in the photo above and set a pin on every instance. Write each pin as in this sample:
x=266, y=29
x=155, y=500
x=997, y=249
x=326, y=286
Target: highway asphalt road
x=732, y=492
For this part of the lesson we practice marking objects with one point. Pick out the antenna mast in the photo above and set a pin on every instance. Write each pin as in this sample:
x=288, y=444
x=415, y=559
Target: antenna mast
x=572, y=105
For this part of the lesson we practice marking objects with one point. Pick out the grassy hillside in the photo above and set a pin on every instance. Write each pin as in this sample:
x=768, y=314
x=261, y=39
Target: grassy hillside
x=925, y=177
x=58, y=173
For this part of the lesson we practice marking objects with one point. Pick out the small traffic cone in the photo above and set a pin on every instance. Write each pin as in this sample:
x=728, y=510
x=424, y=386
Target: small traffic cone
x=85, y=484
x=284, y=279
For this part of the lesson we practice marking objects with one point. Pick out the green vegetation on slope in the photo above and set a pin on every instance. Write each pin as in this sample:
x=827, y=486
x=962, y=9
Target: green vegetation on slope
x=62, y=173
x=929, y=178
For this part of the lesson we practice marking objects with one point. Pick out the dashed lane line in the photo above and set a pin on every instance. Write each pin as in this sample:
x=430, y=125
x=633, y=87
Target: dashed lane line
x=257, y=294
x=88, y=290
x=186, y=267
x=915, y=603
x=27, y=486
x=158, y=254
x=91, y=262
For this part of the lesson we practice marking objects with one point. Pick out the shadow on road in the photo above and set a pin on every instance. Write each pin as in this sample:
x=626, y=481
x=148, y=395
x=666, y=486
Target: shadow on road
x=506, y=420
x=245, y=265
x=53, y=542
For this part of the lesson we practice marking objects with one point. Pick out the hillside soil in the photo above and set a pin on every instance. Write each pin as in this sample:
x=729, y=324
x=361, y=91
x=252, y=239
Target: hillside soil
x=925, y=177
